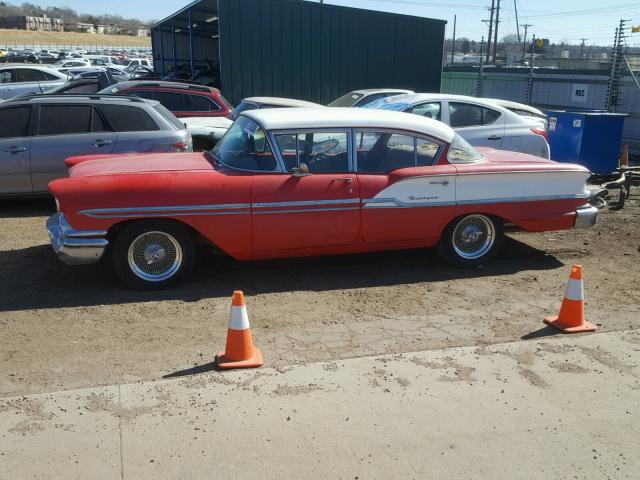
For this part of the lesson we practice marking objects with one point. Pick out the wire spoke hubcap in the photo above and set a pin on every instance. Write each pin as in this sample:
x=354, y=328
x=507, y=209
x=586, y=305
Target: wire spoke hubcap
x=155, y=256
x=473, y=237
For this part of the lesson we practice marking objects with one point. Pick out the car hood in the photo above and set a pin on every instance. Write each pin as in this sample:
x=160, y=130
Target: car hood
x=146, y=163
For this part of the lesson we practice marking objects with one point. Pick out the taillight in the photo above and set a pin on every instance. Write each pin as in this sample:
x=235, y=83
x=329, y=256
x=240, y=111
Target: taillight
x=180, y=146
x=542, y=132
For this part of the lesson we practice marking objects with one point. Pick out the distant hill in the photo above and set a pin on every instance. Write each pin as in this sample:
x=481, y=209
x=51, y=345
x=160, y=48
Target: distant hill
x=9, y=38
x=67, y=15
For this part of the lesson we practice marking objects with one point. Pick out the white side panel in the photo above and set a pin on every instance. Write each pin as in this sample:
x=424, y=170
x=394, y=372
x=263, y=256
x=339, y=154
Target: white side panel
x=481, y=188
x=496, y=187
x=416, y=192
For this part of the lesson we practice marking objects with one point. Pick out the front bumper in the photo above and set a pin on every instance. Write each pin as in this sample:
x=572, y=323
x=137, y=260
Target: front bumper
x=75, y=247
x=586, y=217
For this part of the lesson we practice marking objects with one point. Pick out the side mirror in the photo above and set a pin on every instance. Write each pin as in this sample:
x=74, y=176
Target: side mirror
x=301, y=171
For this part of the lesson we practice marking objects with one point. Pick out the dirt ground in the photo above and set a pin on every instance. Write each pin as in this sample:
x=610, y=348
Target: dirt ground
x=67, y=327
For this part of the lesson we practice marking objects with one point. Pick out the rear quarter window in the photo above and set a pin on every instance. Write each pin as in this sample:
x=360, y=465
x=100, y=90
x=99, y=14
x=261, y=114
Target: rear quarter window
x=125, y=118
x=14, y=121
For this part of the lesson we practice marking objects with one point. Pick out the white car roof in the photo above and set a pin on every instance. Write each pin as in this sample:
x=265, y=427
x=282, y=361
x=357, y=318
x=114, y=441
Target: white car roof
x=382, y=90
x=284, y=102
x=309, y=118
x=51, y=70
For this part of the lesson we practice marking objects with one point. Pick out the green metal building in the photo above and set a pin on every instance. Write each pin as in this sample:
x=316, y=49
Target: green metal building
x=300, y=49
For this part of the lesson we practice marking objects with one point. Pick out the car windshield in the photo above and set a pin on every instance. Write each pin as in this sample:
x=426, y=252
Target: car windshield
x=242, y=106
x=348, y=100
x=461, y=151
x=245, y=147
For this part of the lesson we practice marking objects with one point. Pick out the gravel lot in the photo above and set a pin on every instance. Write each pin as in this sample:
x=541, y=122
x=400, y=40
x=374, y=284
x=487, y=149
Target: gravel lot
x=67, y=327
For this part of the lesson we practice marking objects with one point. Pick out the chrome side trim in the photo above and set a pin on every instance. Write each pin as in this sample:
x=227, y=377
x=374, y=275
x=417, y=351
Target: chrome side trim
x=304, y=203
x=170, y=214
x=98, y=212
x=372, y=202
x=307, y=210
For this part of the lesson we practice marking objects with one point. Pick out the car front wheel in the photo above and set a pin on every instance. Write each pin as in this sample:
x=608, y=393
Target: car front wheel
x=471, y=240
x=153, y=254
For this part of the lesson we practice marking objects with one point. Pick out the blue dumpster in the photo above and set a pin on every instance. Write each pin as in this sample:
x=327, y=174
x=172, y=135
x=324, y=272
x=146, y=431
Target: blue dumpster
x=591, y=139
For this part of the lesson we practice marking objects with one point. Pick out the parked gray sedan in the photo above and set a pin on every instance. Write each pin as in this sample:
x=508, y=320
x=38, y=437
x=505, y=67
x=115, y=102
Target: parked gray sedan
x=19, y=79
x=39, y=132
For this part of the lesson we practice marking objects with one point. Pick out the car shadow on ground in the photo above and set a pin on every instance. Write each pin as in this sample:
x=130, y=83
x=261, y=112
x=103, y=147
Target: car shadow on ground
x=34, y=207
x=33, y=278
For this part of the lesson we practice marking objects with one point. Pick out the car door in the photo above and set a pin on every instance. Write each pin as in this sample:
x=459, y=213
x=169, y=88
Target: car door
x=406, y=195
x=15, y=142
x=29, y=80
x=65, y=131
x=479, y=125
x=315, y=202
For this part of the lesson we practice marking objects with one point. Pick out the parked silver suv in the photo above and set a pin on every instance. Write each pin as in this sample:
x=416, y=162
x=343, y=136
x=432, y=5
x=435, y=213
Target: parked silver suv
x=18, y=79
x=39, y=132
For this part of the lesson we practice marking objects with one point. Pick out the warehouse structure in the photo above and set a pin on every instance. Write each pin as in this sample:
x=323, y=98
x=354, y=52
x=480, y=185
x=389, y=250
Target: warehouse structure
x=300, y=49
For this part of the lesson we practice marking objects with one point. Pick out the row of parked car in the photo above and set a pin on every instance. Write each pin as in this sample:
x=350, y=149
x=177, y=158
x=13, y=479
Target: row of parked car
x=94, y=114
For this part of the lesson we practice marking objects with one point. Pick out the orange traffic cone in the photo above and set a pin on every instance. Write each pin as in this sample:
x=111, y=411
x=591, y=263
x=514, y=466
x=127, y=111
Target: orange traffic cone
x=239, y=352
x=571, y=317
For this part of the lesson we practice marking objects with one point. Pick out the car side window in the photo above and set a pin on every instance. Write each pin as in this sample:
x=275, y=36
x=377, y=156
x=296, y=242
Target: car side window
x=48, y=76
x=124, y=118
x=28, y=75
x=383, y=152
x=97, y=123
x=173, y=101
x=489, y=116
x=429, y=110
x=199, y=103
x=77, y=119
x=15, y=122
x=464, y=115
x=148, y=94
x=245, y=147
x=5, y=76
x=86, y=88
x=321, y=152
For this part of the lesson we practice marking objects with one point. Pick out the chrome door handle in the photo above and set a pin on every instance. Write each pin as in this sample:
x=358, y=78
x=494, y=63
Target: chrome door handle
x=14, y=150
x=494, y=137
x=102, y=143
x=345, y=179
x=439, y=182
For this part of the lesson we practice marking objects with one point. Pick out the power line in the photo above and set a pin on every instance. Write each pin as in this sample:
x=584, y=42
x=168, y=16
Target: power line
x=612, y=8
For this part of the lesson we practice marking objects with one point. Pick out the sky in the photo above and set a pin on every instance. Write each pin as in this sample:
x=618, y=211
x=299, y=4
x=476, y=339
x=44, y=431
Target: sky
x=558, y=20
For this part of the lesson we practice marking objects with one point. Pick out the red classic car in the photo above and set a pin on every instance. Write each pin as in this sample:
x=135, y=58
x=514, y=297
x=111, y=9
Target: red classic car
x=294, y=182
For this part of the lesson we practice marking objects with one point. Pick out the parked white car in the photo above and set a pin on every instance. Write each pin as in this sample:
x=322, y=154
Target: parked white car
x=206, y=131
x=480, y=122
x=365, y=96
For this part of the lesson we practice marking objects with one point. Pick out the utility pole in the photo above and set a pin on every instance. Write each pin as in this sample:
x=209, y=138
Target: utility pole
x=582, y=47
x=480, y=71
x=530, y=82
x=524, y=41
x=495, y=32
x=515, y=9
x=490, y=30
x=453, y=46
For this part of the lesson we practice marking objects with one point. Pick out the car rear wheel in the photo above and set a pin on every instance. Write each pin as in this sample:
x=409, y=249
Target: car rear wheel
x=153, y=254
x=471, y=240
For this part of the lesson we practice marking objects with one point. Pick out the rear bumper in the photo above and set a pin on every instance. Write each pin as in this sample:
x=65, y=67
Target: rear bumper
x=75, y=247
x=586, y=217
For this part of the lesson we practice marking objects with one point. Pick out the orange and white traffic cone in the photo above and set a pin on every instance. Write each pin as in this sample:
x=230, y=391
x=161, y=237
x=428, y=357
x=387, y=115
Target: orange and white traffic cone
x=571, y=317
x=239, y=352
